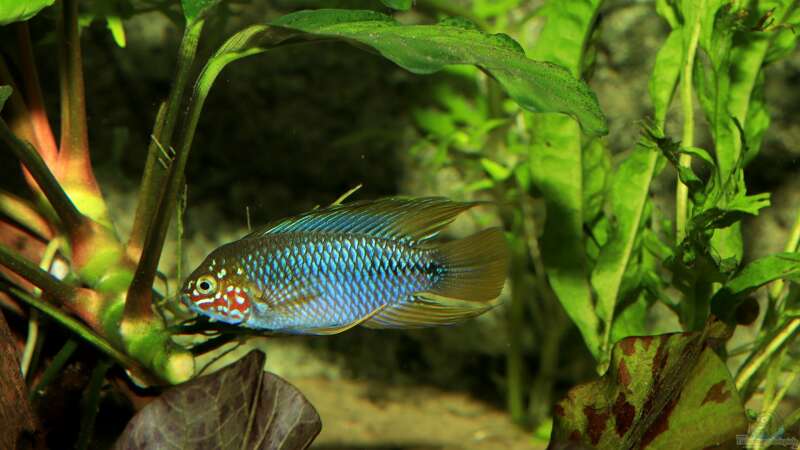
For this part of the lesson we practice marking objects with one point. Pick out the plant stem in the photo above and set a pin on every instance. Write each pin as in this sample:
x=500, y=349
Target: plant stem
x=71, y=218
x=75, y=165
x=55, y=368
x=38, y=277
x=84, y=332
x=163, y=131
x=756, y=440
x=791, y=246
x=765, y=351
x=33, y=320
x=22, y=213
x=38, y=114
x=91, y=403
x=682, y=191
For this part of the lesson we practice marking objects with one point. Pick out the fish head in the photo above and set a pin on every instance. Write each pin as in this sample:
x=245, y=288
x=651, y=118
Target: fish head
x=218, y=292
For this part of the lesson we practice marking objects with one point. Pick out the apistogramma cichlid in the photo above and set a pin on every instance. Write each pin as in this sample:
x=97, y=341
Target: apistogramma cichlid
x=367, y=263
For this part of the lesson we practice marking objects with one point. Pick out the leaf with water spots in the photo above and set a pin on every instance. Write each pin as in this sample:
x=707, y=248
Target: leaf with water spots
x=655, y=393
x=240, y=406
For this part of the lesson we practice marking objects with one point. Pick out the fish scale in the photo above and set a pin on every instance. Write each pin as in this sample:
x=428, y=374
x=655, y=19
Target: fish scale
x=377, y=269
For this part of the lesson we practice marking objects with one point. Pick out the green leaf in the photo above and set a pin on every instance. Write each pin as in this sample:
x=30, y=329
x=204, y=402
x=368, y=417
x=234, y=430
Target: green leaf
x=240, y=406
x=556, y=162
x=665, y=76
x=195, y=9
x=400, y=5
x=535, y=85
x=5, y=93
x=497, y=171
x=17, y=10
x=655, y=393
x=752, y=277
x=596, y=177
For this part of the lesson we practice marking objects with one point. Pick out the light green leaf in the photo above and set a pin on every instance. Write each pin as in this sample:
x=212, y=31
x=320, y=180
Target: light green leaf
x=114, y=25
x=400, y=5
x=535, y=85
x=596, y=177
x=434, y=122
x=656, y=391
x=665, y=76
x=195, y=9
x=19, y=10
x=497, y=171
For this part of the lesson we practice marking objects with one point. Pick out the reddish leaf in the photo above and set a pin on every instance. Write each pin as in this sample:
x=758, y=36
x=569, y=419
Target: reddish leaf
x=656, y=392
x=240, y=406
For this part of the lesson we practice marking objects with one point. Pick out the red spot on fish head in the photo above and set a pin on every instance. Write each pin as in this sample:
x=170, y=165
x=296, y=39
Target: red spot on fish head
x=218, y=299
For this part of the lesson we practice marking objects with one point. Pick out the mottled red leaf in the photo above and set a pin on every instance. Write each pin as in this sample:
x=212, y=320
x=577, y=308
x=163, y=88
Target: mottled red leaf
x=656, y=392
x=240, y=406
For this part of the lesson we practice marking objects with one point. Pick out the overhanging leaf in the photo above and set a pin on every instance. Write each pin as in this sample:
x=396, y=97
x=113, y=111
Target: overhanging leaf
x=535, y=85
x=656, y=392
x=16, y=10
x=237, y=407
x=400, y=5
x=753, y=276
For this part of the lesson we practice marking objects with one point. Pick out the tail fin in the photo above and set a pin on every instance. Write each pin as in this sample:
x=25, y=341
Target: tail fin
x=475, y=267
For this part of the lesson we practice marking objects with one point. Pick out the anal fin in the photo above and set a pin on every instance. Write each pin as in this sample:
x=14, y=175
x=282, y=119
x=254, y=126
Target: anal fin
x=426, y=310
x=342, y=328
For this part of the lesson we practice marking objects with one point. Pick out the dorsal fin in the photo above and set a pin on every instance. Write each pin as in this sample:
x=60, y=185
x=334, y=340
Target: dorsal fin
x=414, y=219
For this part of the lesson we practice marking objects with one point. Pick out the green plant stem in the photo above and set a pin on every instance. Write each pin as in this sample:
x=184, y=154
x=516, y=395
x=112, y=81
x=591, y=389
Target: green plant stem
x=38, y=277
x=765, y=352
x=756, y=440
x=22, y=213
x=140, y=296
x=54, y=369
x=69, y=215
x=84, y=332
x=33, y=321
x=687, y=140
x=91, y=403
x=38, y=113
x=163, y=131
x=791, y=246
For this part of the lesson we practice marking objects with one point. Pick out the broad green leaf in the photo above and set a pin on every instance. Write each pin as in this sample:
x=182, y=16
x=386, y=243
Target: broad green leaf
x=434, y=122
x=19, y=10
x=535, y=85
x=556, y=162
x=195, y=9
x=785, y=32
x=655, y=393
x=596, y=177
x=630, y=189
x=751, y=277
x=400, y=5
x=240, y=406
x=5, y=93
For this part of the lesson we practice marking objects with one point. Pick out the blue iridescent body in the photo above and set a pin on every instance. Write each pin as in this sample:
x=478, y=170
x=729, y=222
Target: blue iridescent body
x=370, y=263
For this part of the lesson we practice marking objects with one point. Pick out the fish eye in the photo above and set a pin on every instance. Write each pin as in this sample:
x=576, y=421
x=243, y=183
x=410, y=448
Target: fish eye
x=206, y=285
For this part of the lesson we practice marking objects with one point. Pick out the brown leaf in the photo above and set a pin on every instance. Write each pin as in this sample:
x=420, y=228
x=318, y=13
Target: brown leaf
x=240, y=406
x=16, y=416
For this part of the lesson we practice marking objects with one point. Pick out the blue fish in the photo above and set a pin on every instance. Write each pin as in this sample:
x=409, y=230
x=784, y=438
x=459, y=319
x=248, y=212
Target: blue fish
x=370, y=263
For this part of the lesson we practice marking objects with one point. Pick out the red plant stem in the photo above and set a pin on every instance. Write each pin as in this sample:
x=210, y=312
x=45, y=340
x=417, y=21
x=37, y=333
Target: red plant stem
x=74, y=222
x=74, y=163
x=38, y=114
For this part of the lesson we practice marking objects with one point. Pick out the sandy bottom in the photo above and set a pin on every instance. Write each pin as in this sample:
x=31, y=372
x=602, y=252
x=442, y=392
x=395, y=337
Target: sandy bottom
x=360, y=416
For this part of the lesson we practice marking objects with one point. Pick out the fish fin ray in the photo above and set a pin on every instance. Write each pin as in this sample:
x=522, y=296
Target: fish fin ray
x=396, y=218
x=475, y=267
x=426, y=310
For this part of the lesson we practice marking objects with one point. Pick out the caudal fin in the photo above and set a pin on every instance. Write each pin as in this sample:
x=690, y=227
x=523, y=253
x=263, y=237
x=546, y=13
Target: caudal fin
x=475, y=267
